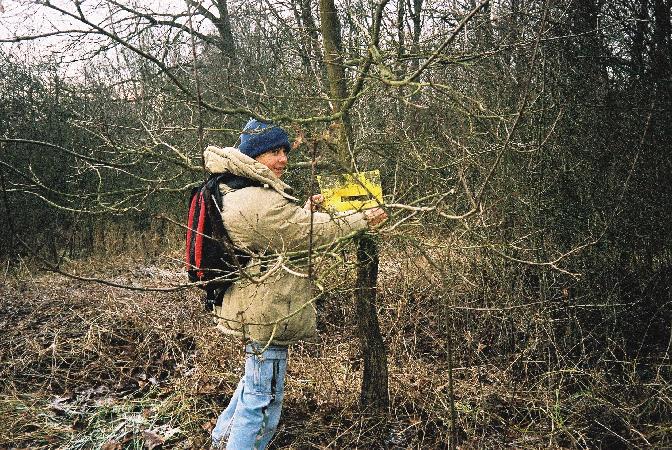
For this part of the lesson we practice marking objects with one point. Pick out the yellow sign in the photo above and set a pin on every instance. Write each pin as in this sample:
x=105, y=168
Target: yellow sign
x=351, y=191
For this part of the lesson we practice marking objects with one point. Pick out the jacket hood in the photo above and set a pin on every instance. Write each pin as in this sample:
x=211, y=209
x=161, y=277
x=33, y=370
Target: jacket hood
x=231, y=160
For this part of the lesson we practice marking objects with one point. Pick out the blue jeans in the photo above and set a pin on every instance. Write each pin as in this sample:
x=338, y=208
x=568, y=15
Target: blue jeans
x=250, y=419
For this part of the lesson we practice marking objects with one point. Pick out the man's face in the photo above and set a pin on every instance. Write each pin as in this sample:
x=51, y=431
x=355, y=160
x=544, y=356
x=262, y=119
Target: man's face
x=275, y=159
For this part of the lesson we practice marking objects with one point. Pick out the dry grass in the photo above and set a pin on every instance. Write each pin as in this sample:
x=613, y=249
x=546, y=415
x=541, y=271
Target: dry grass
x=90, y=366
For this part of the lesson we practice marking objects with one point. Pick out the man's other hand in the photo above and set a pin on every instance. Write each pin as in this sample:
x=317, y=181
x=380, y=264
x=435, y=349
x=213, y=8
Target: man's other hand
x=375, y=216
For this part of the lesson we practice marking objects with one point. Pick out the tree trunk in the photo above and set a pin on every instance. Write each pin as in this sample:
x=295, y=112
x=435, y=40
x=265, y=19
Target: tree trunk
x=586, y=21
x=9, y=242
x=331, y=38
x=309, y=37
x=416, y=17
x=304, y=38
x=374, y=393
x=309, y=23
x=223, y=25
x=638, y=40
x=401, y=67
x=662, y=66
x=401, y=31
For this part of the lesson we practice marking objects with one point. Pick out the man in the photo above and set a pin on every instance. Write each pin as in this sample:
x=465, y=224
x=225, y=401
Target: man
x=272, y=306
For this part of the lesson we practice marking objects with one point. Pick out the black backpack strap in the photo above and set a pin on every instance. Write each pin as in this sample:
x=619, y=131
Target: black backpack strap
x=213, y=297
x=236, y=181
x=232, y=181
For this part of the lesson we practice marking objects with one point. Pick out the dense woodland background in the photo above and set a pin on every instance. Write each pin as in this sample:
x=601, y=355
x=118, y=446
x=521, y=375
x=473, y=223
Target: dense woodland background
x=524, y=148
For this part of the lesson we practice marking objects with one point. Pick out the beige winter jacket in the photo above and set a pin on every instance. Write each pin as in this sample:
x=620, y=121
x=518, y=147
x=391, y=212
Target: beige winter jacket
x=275, y=302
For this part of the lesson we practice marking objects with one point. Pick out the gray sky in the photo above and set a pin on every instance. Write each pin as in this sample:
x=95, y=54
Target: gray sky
x=71, y=50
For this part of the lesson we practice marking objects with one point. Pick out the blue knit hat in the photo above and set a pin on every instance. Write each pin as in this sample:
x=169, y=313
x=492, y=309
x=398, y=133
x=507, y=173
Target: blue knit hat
x=259, y=137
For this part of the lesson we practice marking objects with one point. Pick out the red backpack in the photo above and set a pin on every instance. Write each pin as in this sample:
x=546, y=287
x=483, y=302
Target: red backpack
x=211, y=257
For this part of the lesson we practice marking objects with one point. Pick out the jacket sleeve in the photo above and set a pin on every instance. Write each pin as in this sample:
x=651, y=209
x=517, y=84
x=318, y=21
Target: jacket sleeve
x=278, y=225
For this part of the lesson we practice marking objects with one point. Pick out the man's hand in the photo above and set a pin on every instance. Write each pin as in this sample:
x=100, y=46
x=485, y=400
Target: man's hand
x=314, y=202
x=375, y=216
